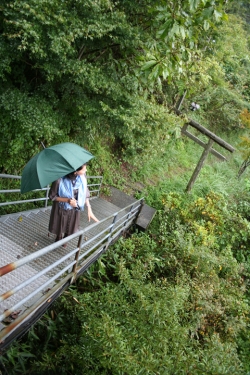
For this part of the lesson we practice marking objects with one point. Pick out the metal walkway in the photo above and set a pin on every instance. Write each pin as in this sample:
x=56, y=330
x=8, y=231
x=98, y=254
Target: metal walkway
x=25, y=233
x=34, y=270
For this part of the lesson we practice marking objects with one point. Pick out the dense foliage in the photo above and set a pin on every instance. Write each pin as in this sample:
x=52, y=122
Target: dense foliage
x=99, y=72
x=107, y=75
x=171, y=301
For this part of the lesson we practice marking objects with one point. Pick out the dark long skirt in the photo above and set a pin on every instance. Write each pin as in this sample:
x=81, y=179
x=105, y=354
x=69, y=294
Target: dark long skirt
x=63, y=221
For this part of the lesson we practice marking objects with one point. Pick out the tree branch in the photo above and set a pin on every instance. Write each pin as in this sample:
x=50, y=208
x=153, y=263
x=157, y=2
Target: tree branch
x=81, y=54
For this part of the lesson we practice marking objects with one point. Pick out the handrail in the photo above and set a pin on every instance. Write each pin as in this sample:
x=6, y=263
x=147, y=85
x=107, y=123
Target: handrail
x=65, y=269
x=94, y=189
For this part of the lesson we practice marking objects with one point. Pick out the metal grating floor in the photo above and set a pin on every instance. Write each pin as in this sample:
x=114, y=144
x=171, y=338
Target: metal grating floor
x=26, y=232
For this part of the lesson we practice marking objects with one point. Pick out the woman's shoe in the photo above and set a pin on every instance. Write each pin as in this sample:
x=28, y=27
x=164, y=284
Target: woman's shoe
x=65, y=235
x=58, y=238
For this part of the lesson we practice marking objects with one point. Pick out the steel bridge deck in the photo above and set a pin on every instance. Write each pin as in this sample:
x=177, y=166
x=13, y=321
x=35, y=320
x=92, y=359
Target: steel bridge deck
x=34, y=270
x=26, y=232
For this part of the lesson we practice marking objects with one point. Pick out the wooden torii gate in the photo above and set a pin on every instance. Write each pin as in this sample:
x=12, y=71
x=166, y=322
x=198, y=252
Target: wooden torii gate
x=207, y=146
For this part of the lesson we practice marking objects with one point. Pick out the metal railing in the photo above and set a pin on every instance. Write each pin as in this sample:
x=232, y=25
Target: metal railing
x=91, y=243
x=94, y=188
x=48, y=271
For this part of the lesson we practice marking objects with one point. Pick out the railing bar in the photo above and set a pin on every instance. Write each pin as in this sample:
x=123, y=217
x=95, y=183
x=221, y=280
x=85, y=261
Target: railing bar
x=93, y=247
x=95, y=192
x=43, y=189
x=10, y=191
x=22, y=201
x=19, y=191
x=37, y=254
x=117, y=230
x=89, y=259
x=96, y=236
x=10, y=176
x=113, y=234
x=52, y=247
x=121, y=218
x=13, y=308
x=47, y=249
x=3, y=175
x=21, y=318
x=41, y=273
x=97, y=177
x=131, y=211
x=125, y=216
x=121, y=224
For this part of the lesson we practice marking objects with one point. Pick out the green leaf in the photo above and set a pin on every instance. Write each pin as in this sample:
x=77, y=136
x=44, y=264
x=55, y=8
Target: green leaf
x=182, y=32
x=217, y=15
x=206, y=25
x=148, y=65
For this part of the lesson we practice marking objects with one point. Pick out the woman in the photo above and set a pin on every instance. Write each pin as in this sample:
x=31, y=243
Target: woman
x=69, y=195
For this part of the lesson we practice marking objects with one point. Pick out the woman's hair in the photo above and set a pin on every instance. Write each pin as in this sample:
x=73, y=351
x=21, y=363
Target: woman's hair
x=81, y=167
x=71, y=175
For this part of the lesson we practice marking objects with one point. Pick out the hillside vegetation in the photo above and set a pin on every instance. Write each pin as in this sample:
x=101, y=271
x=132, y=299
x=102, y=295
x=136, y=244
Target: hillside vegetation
x=108, y=75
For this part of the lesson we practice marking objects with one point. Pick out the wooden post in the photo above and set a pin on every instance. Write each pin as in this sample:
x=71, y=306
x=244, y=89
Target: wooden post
x=199, y=165
x=178, y=106
x=207, y=147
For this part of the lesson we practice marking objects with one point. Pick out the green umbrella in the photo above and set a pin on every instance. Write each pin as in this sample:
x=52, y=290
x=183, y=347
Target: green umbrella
x=52, y=163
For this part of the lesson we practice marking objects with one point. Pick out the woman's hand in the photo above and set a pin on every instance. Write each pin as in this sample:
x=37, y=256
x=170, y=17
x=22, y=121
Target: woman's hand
x=73, y=202
x=91, y=215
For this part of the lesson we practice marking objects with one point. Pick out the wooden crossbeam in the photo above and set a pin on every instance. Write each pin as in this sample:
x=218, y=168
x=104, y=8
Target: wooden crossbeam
x=201, y=143
x=211, y=135
x=207, y=147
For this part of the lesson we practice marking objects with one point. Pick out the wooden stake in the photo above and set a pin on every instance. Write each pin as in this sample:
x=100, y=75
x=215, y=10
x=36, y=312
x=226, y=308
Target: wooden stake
x=199, y=165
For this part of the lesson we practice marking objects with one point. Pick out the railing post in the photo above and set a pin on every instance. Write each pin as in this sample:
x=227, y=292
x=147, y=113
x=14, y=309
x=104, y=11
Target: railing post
x=127, y=218
x=47, y=197
x=109, y=239
x=139, y=211
x=74, y=269
x=98, y=194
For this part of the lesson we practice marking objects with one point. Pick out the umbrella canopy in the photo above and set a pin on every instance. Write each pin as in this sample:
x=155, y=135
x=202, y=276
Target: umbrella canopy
x=52, y=163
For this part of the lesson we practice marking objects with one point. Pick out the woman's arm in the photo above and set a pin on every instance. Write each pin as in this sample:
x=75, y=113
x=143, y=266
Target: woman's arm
x=53, y=195
x=90, y=213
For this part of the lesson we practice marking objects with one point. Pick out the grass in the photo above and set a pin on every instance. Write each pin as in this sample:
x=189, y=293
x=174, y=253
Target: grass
x=173, y=170
x=170, y=170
